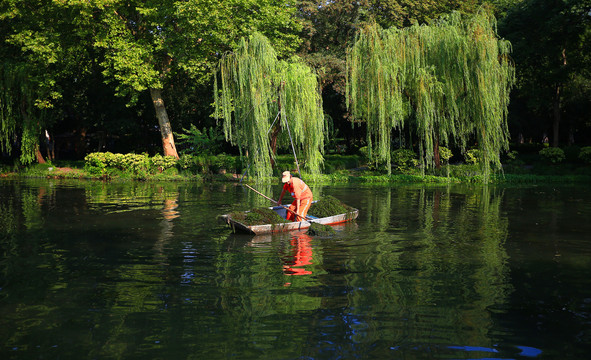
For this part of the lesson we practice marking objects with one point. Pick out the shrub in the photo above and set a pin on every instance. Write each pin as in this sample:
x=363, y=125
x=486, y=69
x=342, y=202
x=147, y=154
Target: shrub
x=95, y=164
x=224, y=162
x=194, y=164
x=585, y=154
x=445, y=154
x=512, y=155
x=553, y=155
x=404, y=159
x=139, y=165
x=473, y=156
x=163, y=163
x=200, y=142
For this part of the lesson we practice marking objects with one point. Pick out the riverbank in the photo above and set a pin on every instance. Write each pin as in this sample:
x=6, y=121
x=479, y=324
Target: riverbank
x=360, y=175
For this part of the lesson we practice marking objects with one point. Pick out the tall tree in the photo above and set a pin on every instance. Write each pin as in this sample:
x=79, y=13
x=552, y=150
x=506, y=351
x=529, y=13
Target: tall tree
x=257, y=87
x=32, y=59
x=451, y=79
x=552, y=42
x=329, y=27
x=19, y=117
x=147, y=42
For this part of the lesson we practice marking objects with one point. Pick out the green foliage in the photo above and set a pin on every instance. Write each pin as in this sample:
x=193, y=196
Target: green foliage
x=225, y=162
x=258, y=216
x=137, y=165
x=585, y=154
x=552, y=155
x=473, y=156
x=464, y=170
x=404, y=159
x=255, y=87
x=328, y=206
x=512, y=155
x=197, y=142
x=316, y=229
x=209, y=164
x=551, y=44
x=445, y=154
x=336, y=162
x=163, y=163
x=19, y=114
x=451, y=79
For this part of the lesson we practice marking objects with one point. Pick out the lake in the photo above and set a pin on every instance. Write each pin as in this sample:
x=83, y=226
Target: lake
x=136, y=270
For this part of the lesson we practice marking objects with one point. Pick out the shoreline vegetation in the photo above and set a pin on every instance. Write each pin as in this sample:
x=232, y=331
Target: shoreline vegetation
x=342, y=169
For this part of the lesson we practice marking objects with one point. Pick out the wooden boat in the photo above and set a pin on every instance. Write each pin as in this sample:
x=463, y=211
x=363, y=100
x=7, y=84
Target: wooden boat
x=289, y=226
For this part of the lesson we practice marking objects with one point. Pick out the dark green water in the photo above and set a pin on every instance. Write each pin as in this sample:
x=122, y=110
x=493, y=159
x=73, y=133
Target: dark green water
x=145, y=271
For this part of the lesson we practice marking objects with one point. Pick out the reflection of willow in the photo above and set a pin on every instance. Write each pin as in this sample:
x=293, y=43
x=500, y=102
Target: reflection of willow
x=254, y=200
x=378, y=209
x=30, y=264
x=444, y=271
x=252, y=293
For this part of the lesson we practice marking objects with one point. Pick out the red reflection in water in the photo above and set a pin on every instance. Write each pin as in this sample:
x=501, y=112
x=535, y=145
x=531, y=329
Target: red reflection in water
x=301, y=256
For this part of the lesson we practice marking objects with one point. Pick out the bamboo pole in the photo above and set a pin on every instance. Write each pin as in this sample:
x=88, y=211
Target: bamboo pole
x=268, y=198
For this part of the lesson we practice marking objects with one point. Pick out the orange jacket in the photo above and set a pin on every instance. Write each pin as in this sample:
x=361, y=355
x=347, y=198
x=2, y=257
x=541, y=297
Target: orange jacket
x=298, y=189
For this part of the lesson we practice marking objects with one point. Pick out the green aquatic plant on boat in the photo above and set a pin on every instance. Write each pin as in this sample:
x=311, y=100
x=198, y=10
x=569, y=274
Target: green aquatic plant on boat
x=320, y=230
x=328, y=206
x=258, y=216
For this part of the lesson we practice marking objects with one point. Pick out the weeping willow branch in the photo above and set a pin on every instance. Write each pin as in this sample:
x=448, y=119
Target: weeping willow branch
x=18, y=114
x=255, y=85
x=451, y=79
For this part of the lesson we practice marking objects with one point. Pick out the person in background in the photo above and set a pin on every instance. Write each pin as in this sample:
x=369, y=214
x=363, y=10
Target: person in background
x=301, y=194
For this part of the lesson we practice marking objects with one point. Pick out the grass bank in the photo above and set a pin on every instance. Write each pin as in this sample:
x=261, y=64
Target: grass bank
x=341, y=169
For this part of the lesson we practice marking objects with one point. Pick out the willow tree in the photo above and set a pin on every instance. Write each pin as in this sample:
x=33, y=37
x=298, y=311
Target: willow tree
x=449, y=81
x=20, y=113
x=260, y=95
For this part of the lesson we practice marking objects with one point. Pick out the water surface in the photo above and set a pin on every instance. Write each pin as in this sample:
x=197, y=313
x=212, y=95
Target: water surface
x=93, y=270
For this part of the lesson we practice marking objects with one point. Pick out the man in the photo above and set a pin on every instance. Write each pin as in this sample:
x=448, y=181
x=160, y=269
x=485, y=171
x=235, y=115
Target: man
x=301, y=194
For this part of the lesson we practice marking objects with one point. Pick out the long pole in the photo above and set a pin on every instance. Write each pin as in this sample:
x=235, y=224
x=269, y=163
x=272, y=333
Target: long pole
x=293, y=148
x=268, y=131
x=268, y=198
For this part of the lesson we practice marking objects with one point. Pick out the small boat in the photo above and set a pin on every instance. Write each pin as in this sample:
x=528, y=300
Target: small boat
x=289, y=226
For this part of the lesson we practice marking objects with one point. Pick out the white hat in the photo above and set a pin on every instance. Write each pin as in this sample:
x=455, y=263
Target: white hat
x=285, y=176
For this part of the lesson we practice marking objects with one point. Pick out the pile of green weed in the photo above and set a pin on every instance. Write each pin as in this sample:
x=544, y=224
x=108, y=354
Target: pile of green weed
x=320, y=230
x=328, y=206
x=258, y=216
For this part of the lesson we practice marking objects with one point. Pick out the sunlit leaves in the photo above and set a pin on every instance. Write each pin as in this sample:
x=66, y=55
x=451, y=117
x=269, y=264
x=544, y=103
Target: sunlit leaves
x=451, y=80
x=255, y=88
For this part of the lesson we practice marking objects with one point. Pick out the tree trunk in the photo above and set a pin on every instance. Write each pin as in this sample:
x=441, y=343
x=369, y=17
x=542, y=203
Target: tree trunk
x=165, y=128
x=556, y=123
x=39, y=156
x=436, y=153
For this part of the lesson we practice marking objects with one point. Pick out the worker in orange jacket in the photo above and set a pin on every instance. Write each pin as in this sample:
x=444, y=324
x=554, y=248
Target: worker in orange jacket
x=301, y=194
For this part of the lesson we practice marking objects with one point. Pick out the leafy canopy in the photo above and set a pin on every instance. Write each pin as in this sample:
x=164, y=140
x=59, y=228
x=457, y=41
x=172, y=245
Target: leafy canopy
x=449, y=81
x=255, y=88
